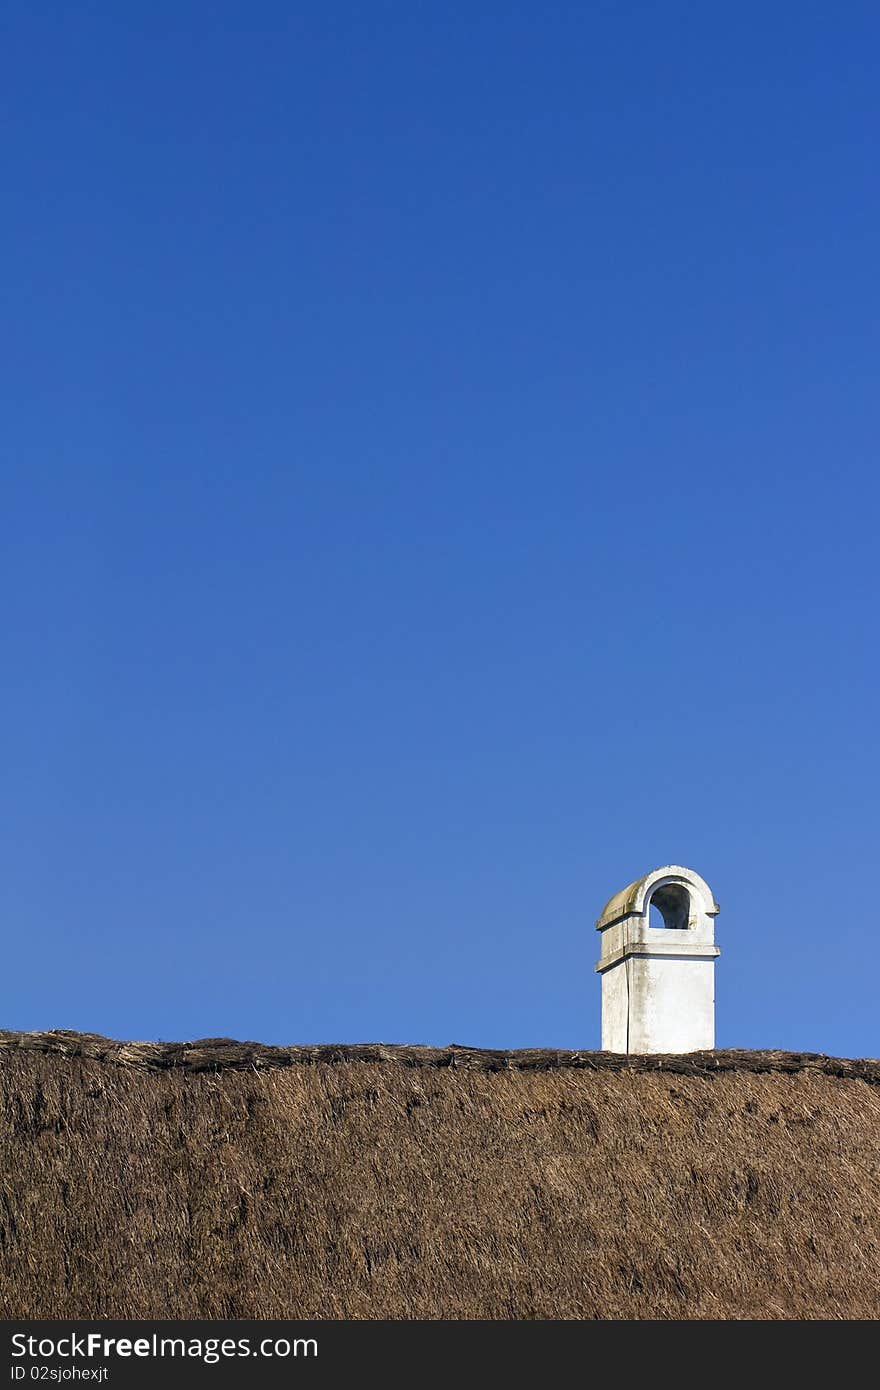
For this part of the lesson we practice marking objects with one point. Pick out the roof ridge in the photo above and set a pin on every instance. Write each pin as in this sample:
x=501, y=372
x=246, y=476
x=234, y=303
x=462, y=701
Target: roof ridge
x=228, y=1054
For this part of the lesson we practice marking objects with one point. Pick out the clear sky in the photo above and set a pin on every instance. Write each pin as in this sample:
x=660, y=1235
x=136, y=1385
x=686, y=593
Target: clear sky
x=439, y=485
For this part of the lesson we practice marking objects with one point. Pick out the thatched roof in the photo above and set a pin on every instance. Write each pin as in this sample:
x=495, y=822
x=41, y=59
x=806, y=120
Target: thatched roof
x=231, y=1180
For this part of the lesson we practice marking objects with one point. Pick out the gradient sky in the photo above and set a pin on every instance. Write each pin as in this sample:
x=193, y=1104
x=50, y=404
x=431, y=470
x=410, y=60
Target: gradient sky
x=439, y=485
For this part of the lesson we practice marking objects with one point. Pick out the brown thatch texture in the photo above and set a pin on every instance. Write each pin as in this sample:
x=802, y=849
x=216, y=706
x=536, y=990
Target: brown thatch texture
x=401, y=1185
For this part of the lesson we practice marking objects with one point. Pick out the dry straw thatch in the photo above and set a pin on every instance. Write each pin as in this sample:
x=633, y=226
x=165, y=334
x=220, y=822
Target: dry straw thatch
x=228, y=1180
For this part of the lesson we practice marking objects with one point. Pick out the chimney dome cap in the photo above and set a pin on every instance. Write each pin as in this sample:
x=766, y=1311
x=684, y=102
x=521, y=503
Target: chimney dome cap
x=633, y=900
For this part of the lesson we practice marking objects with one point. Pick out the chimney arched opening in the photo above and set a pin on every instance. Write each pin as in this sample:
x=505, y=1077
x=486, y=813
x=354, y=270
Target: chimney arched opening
x=669, y=908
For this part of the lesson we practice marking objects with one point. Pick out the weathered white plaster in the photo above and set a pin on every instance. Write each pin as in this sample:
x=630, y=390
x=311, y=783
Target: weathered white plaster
x=658, y=983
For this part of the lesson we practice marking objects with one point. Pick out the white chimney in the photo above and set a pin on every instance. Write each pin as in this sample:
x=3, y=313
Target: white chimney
x=658, y=982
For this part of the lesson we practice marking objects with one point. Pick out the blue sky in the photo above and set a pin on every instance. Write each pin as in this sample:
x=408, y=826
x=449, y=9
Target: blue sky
x=439, y=485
